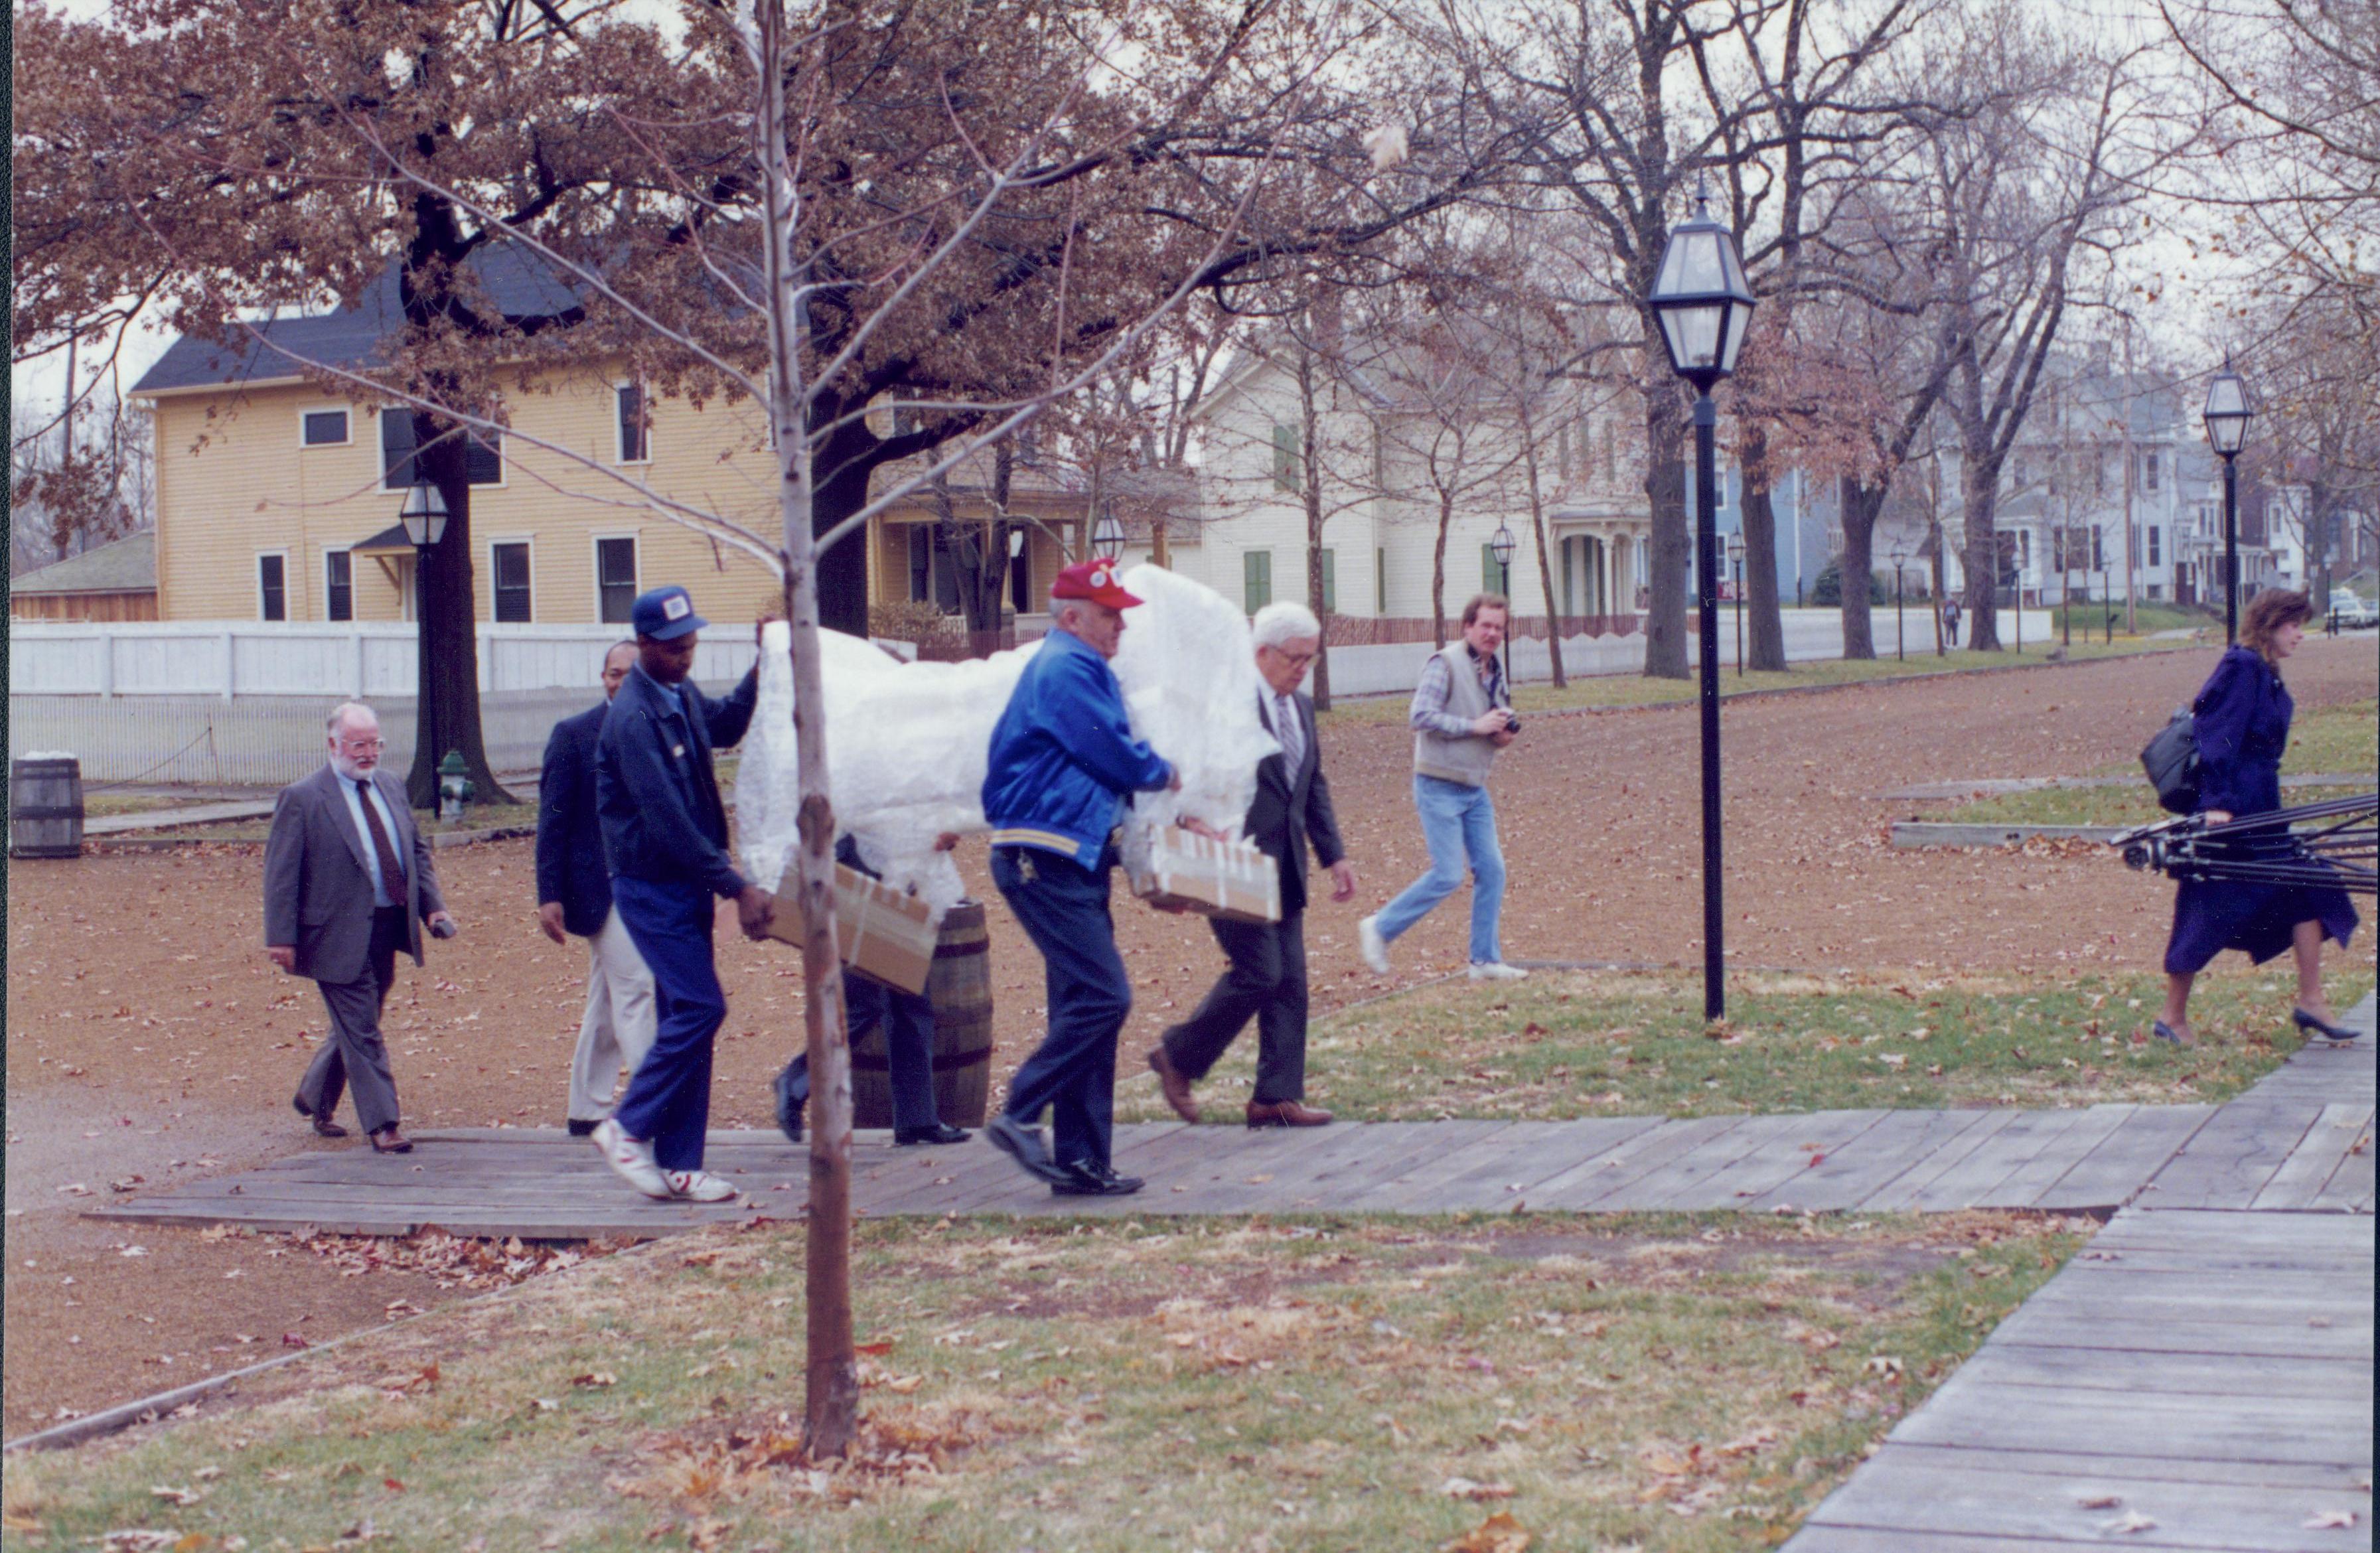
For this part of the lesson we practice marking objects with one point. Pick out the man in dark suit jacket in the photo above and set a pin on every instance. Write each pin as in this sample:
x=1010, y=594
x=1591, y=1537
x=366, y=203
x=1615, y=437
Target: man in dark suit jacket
x=1267, y=979
x=348, y=881
x=573, y=895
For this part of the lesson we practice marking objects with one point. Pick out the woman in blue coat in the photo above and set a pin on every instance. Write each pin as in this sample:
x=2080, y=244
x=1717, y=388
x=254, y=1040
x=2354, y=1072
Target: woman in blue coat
x=2242, y=722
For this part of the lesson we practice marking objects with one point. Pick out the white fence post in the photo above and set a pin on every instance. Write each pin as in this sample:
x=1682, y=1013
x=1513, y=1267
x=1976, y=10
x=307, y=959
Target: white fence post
x=231, y=662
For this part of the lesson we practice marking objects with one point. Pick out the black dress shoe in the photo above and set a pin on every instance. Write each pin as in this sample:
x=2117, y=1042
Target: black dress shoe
x=1088, y=1178
x=324, y=1126
x=789, y=1105
x=941, y=1132
x=1023, y=1144
x=581, y=1127
x=2308, y=1023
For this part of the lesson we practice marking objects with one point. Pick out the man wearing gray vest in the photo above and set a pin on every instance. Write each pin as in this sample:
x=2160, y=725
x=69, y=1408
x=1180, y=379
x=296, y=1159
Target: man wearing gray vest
x=1461, y=716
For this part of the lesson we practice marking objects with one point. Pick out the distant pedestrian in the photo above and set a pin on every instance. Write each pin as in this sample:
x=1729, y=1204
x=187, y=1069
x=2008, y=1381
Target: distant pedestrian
x=1462, y=719
x=348, y=881
x=1266, y=980
x=1063, y=761
x=2242, y=724
x=907, y=1019
x=665, y=842
x=574, y=894
x=1950, y=620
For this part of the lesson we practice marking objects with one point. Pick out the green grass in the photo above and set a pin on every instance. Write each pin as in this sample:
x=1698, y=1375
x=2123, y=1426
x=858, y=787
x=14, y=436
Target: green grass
x=1635, y=690
x=1572, y=1044
x=1684, y=1384
x=2147, y=618
x=2333, y=741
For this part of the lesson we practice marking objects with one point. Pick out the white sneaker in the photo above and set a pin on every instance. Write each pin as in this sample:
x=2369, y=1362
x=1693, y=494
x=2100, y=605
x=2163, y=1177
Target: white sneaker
x=631, y=1160
x=701, y=1186
x=1496, y=970
x=1375, y=948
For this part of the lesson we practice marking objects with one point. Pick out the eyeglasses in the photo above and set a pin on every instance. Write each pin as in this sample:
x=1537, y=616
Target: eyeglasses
x=1294, y=660
x=363, y=747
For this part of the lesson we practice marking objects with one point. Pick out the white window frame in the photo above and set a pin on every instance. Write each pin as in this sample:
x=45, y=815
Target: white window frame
x=261, y=556
x=595, y=559
x=619, y=452
x=529, y=543
x=347, y=551
x=346, y=410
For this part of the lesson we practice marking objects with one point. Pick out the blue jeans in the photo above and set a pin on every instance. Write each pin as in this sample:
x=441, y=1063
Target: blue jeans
x=668, y=1098
x=1457, y=821
x=908, y=1020
x=1063, y=907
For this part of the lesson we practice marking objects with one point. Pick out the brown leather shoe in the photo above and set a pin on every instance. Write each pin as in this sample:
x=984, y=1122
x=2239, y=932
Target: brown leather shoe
x=388, y=1140
x=324, y=1126
x=1176, y=1087
x=1284, y=1113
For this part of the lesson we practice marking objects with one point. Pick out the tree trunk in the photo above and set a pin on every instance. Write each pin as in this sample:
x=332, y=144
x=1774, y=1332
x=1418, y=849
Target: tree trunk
x=1980, y=497
x=842, y=573
x=1437, y=567
x=830, y=1412
x=1544, y=566
x=1665, y=486
x=448, y=694
x=1860, y=504
x=1766, y=645
x=1309, y=485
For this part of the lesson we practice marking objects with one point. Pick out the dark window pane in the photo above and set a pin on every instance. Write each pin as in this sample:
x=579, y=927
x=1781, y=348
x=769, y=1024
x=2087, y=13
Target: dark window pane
x=325, y=428
x=512, y=584
x=339, y=589
x=632, y=424
x=483, y=461
x=615, y=579
x=921, y=562
x=272, y=588
x=396, y=449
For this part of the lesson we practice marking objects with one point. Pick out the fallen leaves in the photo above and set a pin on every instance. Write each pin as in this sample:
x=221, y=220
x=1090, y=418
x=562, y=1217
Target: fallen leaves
x=1464, y=1489
x=405, y=1382
x=595, y=1379
x=2129, y=1522
x=1498, y=1533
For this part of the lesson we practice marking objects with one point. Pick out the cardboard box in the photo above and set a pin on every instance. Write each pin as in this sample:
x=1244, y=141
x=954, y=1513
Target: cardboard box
x=882, y=931
x=1191, y=872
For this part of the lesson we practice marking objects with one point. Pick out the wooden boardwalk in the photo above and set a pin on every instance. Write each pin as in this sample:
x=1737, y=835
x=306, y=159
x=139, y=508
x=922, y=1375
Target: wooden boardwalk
x=2199, y=1376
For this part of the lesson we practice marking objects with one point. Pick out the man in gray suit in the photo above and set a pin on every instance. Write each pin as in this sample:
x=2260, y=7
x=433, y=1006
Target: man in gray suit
x=1267, y=980
x=348, y=881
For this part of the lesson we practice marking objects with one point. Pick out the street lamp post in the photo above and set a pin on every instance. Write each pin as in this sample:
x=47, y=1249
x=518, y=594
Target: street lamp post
x=2226, y=418
x=1899, y=618
x=1735, y=562
x=1500, y=545
x=424, y=517
x=1704, y=307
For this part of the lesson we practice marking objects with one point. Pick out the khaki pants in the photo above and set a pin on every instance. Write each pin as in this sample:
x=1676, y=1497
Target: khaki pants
x=617, y=1029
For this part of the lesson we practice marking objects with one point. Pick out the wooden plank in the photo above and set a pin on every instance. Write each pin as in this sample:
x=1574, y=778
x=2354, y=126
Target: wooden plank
x=1239, y=1170
x=2332, y=1431
x=2046, y=1327
x=1850, y=1176
x=1791, y=1146
x=1590, y=1183
x=2210, y=1375
x=1923, y=1500
x=2194, y=1228
x=1863, y=1539
x=2090, y=1127
x=2350, y=1187
x=2113, y=1173
x=2228, y=1161
x=1529, y=1154
x=1458, y=1148
x=1900, y=1194
x=1978, y=1178
x=2118, y=1469
x=1296, y=1161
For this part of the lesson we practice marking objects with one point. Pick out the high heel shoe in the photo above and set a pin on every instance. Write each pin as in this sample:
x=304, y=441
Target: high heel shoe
x=2339, y=1034
x=2166, y=1032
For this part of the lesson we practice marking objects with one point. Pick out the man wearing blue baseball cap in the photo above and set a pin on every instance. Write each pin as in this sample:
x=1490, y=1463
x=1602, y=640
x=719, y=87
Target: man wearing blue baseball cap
x=665, y=841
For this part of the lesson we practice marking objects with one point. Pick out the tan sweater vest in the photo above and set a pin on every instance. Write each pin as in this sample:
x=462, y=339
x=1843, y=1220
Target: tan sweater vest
x=1468, y=758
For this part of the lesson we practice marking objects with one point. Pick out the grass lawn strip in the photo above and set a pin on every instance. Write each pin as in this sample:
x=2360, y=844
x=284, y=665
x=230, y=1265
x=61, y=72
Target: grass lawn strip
x=1595, y=1043
x=1675, y=1382
x=2331, y=741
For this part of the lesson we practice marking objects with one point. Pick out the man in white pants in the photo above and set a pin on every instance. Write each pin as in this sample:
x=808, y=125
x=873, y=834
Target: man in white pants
x=573, y=893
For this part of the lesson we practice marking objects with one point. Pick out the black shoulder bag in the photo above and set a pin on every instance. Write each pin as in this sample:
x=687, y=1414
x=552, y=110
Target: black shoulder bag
x=2171, y=762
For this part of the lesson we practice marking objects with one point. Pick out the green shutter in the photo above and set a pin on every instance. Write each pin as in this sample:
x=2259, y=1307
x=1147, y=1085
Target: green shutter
x=1257, y=565
x=1285, y=456
x=1488, y=570
x=1329, y=582
x=1380, y=580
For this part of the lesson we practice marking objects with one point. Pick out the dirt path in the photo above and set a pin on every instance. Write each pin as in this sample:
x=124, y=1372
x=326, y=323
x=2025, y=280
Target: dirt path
x=146, y=1028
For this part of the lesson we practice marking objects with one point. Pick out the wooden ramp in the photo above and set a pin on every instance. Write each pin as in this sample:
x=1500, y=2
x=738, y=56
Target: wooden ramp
x=2199, y=1376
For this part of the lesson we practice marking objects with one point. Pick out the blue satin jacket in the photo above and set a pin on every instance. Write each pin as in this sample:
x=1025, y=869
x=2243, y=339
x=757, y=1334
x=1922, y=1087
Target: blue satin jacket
x=1062, y=755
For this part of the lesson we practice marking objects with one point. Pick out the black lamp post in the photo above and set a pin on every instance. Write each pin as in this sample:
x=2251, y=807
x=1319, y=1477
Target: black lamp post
x=1735, y=561
x=1900, y=619
x=1501, y=546
x=2227, y=429
x=1704, y=307
x=424, y=517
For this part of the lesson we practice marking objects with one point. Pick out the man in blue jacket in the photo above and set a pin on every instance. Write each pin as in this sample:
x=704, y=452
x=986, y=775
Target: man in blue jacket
x=665, y=841
x=1063, y=761
x=573, y=895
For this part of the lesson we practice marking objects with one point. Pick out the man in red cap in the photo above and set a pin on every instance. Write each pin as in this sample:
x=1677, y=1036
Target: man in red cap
x=1063, y=762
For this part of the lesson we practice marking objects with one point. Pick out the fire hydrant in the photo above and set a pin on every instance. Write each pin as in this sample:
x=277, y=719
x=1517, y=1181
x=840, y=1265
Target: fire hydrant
x=455, y=789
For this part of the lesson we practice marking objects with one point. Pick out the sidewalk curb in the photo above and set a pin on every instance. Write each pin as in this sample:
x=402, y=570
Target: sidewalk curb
x=1913, y=834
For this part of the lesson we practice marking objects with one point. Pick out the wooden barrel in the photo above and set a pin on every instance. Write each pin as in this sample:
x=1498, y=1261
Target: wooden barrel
x=960, y=989
x=45, y=806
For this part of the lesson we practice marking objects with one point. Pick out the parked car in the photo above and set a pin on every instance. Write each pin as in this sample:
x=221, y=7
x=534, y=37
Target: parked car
x=2353, y=611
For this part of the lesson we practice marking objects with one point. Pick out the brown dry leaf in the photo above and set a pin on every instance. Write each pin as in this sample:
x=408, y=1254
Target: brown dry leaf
x=1464, y=1489
x=1498, y=1533
x=2100, y=1501
x=879, y=1349
x=595, y=1378
x=707, y=1535
x=1750, y=1444
x=1668, y=1465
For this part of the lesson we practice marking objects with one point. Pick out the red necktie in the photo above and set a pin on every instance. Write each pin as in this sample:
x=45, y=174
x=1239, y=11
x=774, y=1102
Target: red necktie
x=392, y=872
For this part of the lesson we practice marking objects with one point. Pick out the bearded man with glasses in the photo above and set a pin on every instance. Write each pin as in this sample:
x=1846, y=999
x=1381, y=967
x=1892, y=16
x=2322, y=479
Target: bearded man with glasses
x=348, y=881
